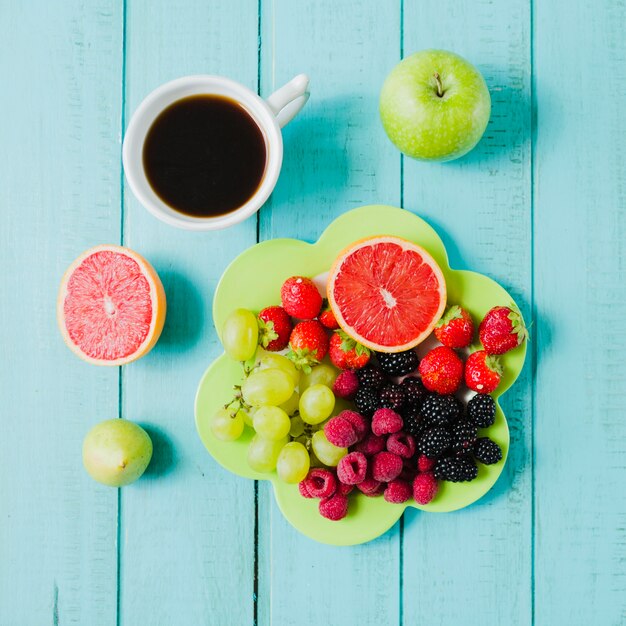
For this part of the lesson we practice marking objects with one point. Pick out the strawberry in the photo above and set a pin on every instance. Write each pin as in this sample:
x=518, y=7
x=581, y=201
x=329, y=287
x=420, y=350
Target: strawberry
x=455, y=329
x=501, y=330
x=482, y=372
x=441, y=370
x=327, y=317
x=301, y=298
x=274, y=328
x=308, y=344
x=346, y=353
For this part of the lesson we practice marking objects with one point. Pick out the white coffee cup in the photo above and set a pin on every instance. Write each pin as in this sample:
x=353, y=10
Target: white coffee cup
x=270, y=115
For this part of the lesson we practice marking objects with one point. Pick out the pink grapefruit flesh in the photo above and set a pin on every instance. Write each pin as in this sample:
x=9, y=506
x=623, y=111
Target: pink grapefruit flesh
x=111, y=306
x=386, y=293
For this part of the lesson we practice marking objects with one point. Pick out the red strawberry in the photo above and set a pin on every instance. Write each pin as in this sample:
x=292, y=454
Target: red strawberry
x=346, y=353
x=501, y=330
x=301, y=298
x=441, y=370
x=308, y=343
x=327, y=318
x=482, y=372
x=455, y=329
x=274, y=328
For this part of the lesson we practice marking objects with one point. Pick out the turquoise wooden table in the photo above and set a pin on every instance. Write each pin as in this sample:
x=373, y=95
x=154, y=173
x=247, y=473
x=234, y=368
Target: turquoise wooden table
x=540, y=206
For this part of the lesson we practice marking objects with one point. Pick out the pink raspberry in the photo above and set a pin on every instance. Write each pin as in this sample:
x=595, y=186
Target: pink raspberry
x=371, y=445
x=344, y=490
x=346, y=385
x=351, y=468
x=303, y=487
x=401, y=444
x=386, y=421
x=320, y=483
x=369, y=486
x=340, y=432
x=335, y=507
x=358, y=421
x=377, y=492
x=424, y=464
x=398, y=491
x=386, y=466
x=425, y=487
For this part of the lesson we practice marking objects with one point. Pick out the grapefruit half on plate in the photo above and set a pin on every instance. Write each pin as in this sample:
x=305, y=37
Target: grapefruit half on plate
x=111, y=306
x=386, y=293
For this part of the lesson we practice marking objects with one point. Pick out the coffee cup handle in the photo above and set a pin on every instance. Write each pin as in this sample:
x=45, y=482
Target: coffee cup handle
x=287, y=101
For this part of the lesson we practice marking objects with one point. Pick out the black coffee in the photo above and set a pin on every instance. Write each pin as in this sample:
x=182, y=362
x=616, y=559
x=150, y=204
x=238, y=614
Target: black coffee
x=204, y=155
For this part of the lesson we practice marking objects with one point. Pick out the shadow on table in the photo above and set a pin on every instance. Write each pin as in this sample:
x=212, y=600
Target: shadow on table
x=163, y=452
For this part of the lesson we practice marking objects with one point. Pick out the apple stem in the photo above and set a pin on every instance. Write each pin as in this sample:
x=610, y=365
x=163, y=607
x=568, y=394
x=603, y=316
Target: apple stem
x=439, y=85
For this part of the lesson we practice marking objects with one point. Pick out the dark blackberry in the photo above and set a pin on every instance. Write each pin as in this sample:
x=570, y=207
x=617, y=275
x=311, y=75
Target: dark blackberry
x=487, y=451
x=370, y=377
x=434, y=442
x=397, y=363
x=481, y=409
x=416, y=393
x=456, y=469
x=463, y=438
x=441, y=410
x=414, y=423
x=366, y=401
x=392, y=396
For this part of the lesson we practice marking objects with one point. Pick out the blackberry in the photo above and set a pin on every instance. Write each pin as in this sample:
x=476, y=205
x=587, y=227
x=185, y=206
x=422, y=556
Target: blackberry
x=481, y=409
x=487, y=451
x=456, y=470
x=441, y=410
x=463, y=438
x=414, y=423
x=392, y=396
x=434, y=442
x=370, y=377
x=416, y=393
x=397, y=363
x=366, y=401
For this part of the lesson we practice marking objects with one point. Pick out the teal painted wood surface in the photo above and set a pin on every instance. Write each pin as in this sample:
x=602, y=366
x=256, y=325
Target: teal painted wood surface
x=539, y=206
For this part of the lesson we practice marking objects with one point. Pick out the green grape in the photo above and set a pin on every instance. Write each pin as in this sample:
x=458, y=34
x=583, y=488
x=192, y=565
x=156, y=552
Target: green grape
x=325, y=451
x=248, y=415
x=319, y=375
x=267, y=387
x=263, y=453
x=240, y=335
x=297, y=426
x=291, y=406
x=266, y=360
x=227, y=427
x=293, y=463
x=271, y=422
x=316, y=404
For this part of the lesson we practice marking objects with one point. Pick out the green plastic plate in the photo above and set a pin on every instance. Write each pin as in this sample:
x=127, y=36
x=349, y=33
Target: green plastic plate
x=253, y=281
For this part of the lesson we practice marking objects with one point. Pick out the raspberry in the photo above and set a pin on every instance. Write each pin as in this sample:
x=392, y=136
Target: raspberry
x=401, y=444
x=370, y=377
x=320, y=483
x=351, y=468
x=463, y=438
x=414, y=423
x=361, y=426
x=434, y=442
x=425, y=487
x=377, y=492
x=346, y=384
x=335, y=507
x=481, y=409
x=456, y=469
x=386, y=421
x=392, y=396
x=303, y=488
x=487, y=451
x=343, y=489
x=300, y=298
x=386, y=466
x=415, y=391
x=441, y=410
x=397, y=363
x=397, y=492
x=424, y=464
x=366, y=401
x=340, y=432
x=372, y=444
x=369, y=486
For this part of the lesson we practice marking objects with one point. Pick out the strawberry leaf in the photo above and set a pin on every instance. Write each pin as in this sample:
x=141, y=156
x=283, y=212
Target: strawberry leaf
x=453, y=313
x=267, y=334
x=303, y=359
x=493, y=363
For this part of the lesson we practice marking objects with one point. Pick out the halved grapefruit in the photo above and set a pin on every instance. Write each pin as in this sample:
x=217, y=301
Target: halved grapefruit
x=111, y=306
x=386, y=293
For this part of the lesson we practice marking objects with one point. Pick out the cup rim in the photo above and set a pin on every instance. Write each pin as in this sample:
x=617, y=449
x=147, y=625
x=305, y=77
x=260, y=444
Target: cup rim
x=165, y=95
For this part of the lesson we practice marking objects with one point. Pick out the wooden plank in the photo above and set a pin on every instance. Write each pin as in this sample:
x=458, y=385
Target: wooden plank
x=580, y=285
x=481, y=205
x=59, y=193
x=187, y=528
x=336, y=158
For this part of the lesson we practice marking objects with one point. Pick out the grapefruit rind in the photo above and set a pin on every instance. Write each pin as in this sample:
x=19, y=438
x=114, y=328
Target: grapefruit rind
x=157, y=296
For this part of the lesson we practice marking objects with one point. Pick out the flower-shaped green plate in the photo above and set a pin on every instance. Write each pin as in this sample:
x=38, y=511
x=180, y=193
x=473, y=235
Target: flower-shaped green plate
x=253, y=281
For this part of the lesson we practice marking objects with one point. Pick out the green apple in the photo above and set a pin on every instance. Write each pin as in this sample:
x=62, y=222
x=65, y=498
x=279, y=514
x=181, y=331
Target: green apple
x=435, y=106
x=116, y=452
